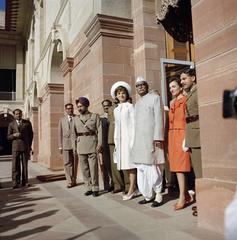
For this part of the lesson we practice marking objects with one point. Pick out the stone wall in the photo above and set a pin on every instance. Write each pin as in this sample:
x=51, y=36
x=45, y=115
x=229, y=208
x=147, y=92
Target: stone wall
x=215, y=31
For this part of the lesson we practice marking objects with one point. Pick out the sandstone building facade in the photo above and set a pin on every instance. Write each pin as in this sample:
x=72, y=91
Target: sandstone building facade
x=70, y=48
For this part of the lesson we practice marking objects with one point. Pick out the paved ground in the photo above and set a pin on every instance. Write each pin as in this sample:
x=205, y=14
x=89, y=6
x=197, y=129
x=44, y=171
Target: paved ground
x=49, y=211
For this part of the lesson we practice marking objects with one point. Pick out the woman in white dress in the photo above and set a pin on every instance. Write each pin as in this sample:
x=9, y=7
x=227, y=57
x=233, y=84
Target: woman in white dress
x=123, y=134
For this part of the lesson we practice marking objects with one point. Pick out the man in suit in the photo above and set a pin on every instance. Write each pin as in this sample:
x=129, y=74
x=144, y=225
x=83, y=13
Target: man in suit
x=67, y=139
x=104, y=157
x=89, y=144
x=21, y=134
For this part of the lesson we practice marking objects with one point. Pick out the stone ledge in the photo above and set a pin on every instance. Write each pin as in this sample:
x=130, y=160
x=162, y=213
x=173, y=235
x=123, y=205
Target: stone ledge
x=103, y=25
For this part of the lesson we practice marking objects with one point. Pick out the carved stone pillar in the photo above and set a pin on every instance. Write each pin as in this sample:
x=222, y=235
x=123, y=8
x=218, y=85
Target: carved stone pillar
x=51, y=108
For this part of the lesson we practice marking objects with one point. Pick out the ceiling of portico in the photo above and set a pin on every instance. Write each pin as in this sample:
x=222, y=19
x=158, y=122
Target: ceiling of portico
x=18, y=16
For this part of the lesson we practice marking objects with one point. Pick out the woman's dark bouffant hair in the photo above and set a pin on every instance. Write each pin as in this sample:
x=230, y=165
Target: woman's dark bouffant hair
x=189, y=71
x=175, y=79
x=121, y=88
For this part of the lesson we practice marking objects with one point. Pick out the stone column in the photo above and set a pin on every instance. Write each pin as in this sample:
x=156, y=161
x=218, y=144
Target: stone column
x=35, y=144
x=67, y=67
x=19, y=72
x=149, y=42
x=216, y=54
x=51, y=109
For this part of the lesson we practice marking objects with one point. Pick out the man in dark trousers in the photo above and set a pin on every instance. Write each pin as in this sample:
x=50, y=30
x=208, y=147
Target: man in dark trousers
x=104, y=157
x=89, y=144
x=67, y=138
x=21, y=134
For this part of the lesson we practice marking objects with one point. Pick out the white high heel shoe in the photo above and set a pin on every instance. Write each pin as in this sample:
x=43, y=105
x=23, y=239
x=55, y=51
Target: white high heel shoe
x=129, y=197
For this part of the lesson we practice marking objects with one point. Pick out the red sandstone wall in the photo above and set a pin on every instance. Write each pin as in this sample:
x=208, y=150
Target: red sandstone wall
x=215, y=31
x=51, y=109
x=149, y=42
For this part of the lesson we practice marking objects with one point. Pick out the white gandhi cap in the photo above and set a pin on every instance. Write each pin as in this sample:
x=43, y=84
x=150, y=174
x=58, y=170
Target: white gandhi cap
x=141, y=79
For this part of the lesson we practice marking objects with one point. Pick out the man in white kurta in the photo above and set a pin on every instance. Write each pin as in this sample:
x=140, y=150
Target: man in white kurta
x=147, y=150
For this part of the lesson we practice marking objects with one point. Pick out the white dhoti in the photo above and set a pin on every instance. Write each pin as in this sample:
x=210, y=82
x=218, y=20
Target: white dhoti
x=149, y=180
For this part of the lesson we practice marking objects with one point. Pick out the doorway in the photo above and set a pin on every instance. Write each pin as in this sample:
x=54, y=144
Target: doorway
x=5, y=145
x=171, y=68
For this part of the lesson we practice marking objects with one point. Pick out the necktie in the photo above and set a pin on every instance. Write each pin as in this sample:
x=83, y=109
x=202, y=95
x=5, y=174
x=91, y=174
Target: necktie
x=69, y=121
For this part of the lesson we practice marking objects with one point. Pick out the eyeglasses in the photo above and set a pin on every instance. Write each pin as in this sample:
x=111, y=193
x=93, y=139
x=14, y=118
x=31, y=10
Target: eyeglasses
x=141, y=85
x=69, y=108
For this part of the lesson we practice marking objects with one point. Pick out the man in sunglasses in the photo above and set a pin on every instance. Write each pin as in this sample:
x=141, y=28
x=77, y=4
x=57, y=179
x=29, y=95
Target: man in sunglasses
x=67, y=139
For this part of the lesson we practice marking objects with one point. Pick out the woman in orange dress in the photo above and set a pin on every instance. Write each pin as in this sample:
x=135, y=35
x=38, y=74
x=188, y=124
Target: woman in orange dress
x=179, y=158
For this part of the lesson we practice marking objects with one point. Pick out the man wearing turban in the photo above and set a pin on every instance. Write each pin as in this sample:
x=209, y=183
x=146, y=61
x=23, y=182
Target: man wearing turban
x=88, y=143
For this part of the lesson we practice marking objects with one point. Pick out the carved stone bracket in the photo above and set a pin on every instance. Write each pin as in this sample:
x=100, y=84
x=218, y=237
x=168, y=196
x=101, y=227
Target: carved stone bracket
x=54, y=88
x=103, y=25
x=50, y=88
x=67, y=66
x=34, y=109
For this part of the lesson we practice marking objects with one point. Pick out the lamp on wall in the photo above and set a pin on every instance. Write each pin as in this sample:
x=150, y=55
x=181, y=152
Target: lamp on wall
x=59, y=46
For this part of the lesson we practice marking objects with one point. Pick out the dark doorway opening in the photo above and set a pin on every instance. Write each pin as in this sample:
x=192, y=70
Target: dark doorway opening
x=5, y=145
x=7, y=84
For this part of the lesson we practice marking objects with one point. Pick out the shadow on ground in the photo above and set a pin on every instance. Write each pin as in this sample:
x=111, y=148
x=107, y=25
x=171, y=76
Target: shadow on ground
x=17, y=209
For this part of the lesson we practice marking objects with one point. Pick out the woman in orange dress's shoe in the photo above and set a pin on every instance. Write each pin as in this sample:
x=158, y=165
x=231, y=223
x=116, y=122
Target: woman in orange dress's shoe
x=179, y=158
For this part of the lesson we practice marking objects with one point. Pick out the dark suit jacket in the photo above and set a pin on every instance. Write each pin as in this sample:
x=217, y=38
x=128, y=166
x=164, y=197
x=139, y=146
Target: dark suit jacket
x=111, y=125
x=24, y=141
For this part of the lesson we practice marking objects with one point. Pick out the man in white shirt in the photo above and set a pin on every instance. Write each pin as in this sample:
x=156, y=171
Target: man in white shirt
x=67, y=139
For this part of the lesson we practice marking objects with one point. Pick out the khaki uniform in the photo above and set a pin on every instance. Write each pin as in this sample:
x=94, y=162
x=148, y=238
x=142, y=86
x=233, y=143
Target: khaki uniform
x=66, y=142
x=89, y=135
x=192, y=132
x=120, y=178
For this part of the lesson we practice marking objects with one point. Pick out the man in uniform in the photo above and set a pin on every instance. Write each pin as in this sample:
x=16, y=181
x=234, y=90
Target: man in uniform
x=21, y=134
x=192, y=132
x=89, y=144
x=67, y=138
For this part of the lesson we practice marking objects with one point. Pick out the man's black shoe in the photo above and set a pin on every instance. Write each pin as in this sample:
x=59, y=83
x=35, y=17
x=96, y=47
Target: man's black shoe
x=88, y=193
x=117, y=190
x=95, y=194
x=15, y=186
x=144, y=201
x=25, y=185
x=111, y=189
x=156, y=204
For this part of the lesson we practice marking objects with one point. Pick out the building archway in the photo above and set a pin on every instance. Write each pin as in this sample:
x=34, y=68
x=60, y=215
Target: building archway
x=5, y=145
x=56, y=75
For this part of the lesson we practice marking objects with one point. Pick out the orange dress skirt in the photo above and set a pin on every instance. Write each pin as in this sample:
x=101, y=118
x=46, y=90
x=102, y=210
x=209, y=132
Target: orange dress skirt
x=178, y=159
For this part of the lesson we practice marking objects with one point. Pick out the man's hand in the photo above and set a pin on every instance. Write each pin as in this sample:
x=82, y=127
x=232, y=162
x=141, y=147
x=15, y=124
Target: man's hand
x=17, y=135
x=158, y=144
x=99, y=148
